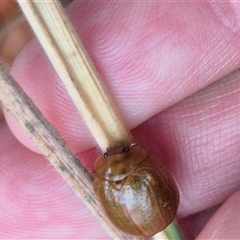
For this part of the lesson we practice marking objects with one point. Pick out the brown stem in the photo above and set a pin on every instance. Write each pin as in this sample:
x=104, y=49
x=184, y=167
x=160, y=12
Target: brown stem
x=53, y=147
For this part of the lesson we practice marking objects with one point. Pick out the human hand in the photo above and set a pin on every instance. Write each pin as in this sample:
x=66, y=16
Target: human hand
x=151, y=57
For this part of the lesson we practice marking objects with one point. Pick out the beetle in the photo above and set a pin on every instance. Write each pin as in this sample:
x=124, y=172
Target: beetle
x=135, y=189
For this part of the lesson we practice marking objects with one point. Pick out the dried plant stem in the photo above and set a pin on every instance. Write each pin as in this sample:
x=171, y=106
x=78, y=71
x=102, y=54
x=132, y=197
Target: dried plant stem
x=53, y=147
x=76, y=71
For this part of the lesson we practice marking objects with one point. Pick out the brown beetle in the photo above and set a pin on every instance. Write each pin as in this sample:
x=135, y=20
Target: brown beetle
x=135, y=190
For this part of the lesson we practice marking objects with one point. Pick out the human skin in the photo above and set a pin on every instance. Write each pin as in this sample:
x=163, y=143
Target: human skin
x=172, y=71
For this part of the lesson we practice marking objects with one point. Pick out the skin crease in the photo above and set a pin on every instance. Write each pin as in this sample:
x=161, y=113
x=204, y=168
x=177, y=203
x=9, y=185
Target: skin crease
x=177, y=57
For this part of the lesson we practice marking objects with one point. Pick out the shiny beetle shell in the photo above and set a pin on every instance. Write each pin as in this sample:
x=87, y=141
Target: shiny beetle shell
x=135, y=189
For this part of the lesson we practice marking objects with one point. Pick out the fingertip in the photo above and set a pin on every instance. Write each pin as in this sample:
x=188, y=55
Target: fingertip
x=225, y=223
x=35, y=200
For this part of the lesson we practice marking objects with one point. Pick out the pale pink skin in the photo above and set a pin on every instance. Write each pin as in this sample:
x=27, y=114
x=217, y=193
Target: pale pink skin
x=151, y=57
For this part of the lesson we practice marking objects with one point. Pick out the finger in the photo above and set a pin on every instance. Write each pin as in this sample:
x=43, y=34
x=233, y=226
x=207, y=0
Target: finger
x=149, y=55
x=199, y=141
x=192, y=225
x=35, y=200
x=185, y=134
x=225, y=222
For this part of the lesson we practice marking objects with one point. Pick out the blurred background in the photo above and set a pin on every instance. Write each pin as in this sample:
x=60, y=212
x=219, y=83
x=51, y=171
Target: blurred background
x=14, y=32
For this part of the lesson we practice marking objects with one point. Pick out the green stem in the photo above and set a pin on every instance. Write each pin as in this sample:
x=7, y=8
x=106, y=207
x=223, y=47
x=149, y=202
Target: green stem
x=173, y=232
